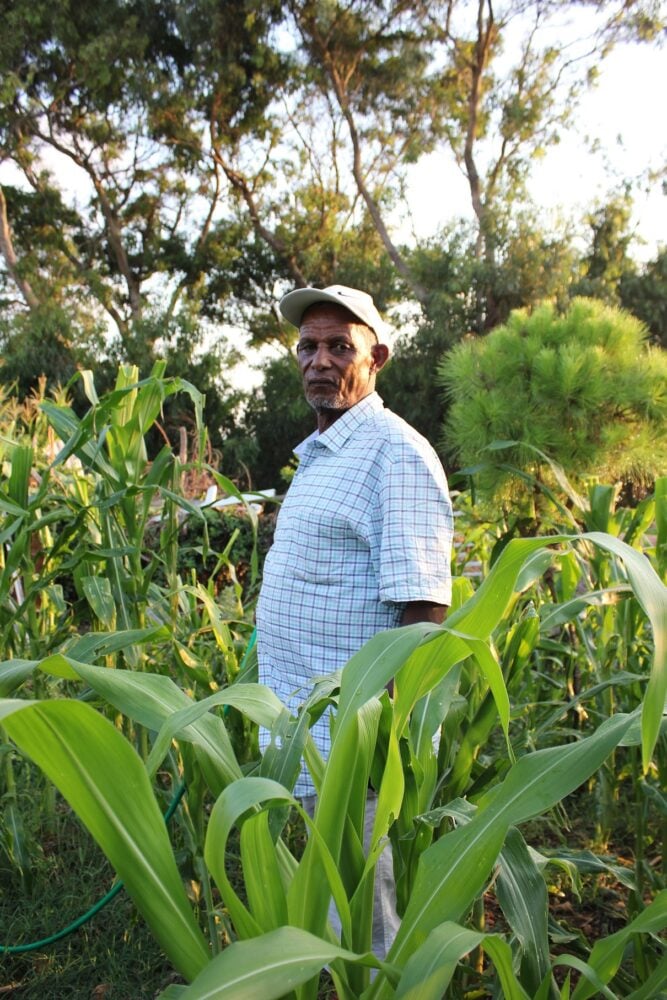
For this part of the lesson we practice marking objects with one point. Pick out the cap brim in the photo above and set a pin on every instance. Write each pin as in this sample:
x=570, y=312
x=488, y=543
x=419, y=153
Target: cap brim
x=294, y=304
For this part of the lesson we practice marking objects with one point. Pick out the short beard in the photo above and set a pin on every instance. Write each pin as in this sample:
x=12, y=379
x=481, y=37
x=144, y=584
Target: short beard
x=324, y=404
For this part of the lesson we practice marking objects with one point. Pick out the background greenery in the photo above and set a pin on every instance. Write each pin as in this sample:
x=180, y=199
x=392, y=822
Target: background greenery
x=529, y=841
x=172, y=167
x=219, y=154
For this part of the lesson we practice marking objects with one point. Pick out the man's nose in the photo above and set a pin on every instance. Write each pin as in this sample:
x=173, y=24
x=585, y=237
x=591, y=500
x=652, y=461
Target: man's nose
x=321, y=358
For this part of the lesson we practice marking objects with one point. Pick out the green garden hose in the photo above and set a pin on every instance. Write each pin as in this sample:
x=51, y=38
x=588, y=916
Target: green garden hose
x=16, y=949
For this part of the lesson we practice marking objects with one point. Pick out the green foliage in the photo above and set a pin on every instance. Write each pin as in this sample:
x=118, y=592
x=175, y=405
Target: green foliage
x=179, y=163
x=408, y=384
x=531, y=266
x=582, y=387
x=482, y=677
x=203, y=540
x=95, y=540
x=607, y=264
x=644, y=294
x=46, y=343
x=277, y=417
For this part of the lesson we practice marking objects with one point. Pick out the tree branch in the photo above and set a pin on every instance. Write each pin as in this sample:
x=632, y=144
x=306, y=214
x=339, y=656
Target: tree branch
x=113, y=227
x=340, y=87
x=11, y=260
x=241, y=186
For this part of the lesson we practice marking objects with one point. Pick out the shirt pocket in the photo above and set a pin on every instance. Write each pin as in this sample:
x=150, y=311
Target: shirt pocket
x=322, y=548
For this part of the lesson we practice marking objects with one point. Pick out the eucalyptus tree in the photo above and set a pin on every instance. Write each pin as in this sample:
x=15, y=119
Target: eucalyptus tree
x=120, y=235
x=491, y=86
x=118, y=120
x=177, y=163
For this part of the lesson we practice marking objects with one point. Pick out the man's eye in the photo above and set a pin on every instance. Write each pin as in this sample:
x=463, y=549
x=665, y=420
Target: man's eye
x=307, y=349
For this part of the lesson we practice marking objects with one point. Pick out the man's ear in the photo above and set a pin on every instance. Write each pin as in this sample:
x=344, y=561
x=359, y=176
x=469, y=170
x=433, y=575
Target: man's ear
x=380, y=355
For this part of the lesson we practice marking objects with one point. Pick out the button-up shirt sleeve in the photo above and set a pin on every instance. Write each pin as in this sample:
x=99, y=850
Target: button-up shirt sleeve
x=416, y=534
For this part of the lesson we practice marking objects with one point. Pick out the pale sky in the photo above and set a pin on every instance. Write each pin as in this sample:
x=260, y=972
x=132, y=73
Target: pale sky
x=624, y=112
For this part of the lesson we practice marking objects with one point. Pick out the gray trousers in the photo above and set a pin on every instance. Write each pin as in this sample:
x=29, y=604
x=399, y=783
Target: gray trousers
x=386, y=920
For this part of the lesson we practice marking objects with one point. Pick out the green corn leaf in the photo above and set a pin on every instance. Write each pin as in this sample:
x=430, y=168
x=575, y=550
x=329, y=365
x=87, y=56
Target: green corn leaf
x=121, y=402
x=309, y=892
x=661, y=524
x=257, y=701
x=658, y=800
x=490, y=669
x=368, y=672
x=97, y=590
x=13, y=673
x=103, y=779
x=389, y=797
x=18, y=484
x=151, y=700
x=651, y=593
x=540, y=779
x=79, y=439
x=588, y=975
x=96, y=644
x=522, y=894
x=220, y=627
x=14, y=839
x=428, y=972
x=281, y=760
x=88, y=380
x=454, y=870
x=263, y=873
x=343, y=790
x=654, y=985
x=9, y=507
x=268, y=967
x=501, y=954
x=553, y=615
x=619, y=679
x=182, y=502
x=430, y=711
x=236, y=800
x=585, y=862
x=534, y=569
x=149, y=400
x=607, y=953
x=482, y=613
x=427, y=666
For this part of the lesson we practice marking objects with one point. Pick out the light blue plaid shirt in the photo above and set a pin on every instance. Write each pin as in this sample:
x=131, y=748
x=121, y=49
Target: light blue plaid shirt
x=366, y=526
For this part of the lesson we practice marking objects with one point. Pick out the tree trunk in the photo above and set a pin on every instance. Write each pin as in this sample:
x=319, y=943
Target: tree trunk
x=11, y=260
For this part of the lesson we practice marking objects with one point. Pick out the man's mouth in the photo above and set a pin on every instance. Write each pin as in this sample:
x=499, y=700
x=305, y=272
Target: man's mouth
x=319, y=383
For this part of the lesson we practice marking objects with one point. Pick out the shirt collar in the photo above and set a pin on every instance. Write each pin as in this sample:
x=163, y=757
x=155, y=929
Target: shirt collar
x=335, y=437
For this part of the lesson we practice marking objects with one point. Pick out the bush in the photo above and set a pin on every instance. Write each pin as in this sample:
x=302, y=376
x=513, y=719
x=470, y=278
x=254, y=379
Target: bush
x=583, y=387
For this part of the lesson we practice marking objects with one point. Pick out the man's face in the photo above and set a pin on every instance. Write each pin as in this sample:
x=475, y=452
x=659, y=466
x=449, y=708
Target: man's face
x=338, y=357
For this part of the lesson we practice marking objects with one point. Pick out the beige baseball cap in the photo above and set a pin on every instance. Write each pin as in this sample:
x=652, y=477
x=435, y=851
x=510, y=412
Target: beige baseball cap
x=294, y=304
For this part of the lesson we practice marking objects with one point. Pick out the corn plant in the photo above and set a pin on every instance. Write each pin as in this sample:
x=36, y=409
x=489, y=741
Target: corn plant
x=278, y=931
x=88, y=553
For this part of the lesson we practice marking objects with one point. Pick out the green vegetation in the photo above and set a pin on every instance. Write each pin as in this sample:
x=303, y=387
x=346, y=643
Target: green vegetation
x=168, y=169
x=122, y=679
x=581, y=388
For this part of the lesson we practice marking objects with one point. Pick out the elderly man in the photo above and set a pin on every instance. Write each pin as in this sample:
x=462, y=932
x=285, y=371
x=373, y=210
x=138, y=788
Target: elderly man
x=363, y=538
